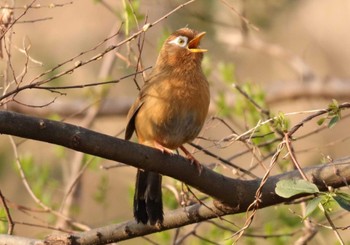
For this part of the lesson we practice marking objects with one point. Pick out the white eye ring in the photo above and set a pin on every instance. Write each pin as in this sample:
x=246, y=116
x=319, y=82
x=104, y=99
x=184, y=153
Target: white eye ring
x=180, y=41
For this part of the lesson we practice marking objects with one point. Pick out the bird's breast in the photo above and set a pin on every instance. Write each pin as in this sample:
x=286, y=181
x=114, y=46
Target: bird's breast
x=173, y=113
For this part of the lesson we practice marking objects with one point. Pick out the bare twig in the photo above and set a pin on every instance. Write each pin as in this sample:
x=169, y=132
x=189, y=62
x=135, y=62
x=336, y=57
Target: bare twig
x=226, y=162
x=18, y=18
x=40, y=6
x=251, y=100
x=244, y=19
x=255, y=205
x=11, y=224
x=49, y=227
x=92, y=84
x=34, y=83
x=316, y=114
x=34, y=197
x=334, y=229
x=292, y=156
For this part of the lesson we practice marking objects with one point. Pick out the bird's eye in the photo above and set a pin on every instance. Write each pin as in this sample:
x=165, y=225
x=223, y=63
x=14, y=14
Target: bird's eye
x=180, y=41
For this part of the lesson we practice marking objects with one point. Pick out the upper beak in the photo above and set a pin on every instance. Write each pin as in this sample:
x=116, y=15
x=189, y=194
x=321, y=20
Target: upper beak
x=193, y=45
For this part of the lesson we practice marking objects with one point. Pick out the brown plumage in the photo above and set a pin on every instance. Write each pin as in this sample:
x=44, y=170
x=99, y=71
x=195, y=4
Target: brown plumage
x=169, y=111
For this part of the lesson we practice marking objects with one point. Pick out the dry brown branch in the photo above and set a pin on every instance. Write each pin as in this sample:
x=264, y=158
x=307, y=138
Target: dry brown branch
x=90, y=142
x=193, y=214
x=248, y=194
x=218, y=186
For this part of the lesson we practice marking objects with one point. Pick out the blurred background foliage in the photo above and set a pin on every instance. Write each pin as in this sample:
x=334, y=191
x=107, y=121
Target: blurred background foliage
x=287, y=56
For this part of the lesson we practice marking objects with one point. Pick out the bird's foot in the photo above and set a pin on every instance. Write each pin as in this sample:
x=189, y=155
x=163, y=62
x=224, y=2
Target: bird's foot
x=163, y=149
x=192, y=159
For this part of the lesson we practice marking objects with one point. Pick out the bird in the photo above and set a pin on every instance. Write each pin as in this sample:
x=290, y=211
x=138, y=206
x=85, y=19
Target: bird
x=170, y=110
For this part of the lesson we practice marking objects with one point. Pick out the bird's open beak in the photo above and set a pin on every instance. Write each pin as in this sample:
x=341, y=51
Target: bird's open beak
x=193, y=45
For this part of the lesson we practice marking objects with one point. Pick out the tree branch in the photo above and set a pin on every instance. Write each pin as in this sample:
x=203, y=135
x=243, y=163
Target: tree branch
x=323, y=175
x=139, y=156
x=327, y=89
x=239, y=194
x=108, y=147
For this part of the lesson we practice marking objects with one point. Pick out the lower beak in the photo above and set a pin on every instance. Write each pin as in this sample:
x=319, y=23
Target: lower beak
x=193, y=45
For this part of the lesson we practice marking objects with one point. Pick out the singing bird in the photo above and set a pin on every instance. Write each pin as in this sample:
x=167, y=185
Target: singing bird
x=170, y=111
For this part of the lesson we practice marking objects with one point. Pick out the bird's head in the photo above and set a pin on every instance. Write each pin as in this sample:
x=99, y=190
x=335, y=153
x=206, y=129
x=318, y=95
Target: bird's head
x=182, y=48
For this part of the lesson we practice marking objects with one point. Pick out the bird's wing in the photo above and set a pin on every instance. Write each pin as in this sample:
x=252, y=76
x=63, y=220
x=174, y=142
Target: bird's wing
x=130, y=127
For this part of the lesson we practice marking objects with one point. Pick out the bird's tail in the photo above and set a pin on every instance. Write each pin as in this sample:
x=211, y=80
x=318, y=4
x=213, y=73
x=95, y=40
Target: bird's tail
x=148, y=204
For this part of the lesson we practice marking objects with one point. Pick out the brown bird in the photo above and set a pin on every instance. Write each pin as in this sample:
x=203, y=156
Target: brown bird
x=169, y=111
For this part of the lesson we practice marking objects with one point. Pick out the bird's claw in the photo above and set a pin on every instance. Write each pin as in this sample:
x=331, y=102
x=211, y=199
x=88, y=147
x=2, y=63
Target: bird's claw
x=163, y=149
x=192, y=160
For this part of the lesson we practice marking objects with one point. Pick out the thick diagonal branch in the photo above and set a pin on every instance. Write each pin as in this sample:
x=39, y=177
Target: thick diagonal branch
x=239, y=194
x=236, y=193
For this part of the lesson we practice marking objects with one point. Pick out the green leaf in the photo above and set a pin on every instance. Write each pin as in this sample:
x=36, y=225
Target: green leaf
x=290, y=187
x=334, y=104
x=321, y=121
x=281, y=122
x=334, y=107
x=343, y=199
x=333, y=121
x=312, y=205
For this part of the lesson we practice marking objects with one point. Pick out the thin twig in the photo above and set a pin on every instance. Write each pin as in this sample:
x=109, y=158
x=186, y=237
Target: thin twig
x=251, y=100
x=316, y=114
x=292, y=156
x=209, y=153
x=244, y=19
x=92, y=84
x=78, y=64
x=340, y=240
x=34, y=197
x=255, y=205
x=40, y=6
x=49, y=227
x=262, y=236
x=75, y=181
x=34, y=20
x=19, y=17
x=11, y=224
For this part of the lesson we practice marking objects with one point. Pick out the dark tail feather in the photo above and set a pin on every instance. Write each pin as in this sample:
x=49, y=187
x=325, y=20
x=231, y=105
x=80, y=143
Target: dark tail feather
x=140, y=212
x=148, y=198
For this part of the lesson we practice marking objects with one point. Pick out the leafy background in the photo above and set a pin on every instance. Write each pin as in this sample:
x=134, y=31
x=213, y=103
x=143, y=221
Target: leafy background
x=289, y=47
